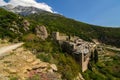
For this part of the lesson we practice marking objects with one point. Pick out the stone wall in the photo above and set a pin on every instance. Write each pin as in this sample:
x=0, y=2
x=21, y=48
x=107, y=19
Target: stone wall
x=85, y=64
x=80, y=58
x=56, y=36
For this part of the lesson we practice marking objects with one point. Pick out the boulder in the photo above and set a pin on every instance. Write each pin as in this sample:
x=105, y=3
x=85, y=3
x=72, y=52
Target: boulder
x=41, y=32
x=26, y=25
x=12, y=71
x=30, y=60
x=37, y=61
x=54, y=67
x=50, y=70
x=41, y=65
x=25, y=68
x=44, y=65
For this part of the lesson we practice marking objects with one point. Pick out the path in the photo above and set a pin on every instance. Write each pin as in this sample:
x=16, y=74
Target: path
x=112, y=48
x=5, y=49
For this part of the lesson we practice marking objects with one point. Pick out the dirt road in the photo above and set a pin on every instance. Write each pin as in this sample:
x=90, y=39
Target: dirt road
x=4, y=50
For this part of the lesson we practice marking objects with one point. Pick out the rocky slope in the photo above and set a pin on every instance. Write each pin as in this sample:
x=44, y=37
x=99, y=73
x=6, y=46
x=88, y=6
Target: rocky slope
x=22, y=64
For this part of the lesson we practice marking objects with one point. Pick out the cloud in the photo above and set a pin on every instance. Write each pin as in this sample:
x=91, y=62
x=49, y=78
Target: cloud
x=28, y=3
x=2, y=3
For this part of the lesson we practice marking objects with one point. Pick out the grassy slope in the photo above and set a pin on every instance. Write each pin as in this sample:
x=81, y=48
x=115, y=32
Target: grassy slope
x=105, y=70
x=55, y=22
x=47, y=51
x=9, y=20
x=6, y=19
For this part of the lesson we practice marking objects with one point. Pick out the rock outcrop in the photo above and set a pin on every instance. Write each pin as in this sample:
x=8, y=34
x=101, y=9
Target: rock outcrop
x=26, y=25
x=24, y=64
x=41, y=32
x=17, y=28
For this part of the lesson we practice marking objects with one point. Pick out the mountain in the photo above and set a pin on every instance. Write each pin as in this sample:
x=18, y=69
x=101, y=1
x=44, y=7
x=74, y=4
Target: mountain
x=22, y=10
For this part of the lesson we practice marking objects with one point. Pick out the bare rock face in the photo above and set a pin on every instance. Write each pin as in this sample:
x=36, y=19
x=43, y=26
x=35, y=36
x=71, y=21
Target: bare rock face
x=26, y=25
x=41, y=32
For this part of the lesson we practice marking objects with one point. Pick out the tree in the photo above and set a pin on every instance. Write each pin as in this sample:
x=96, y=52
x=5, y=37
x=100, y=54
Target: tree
x=96, y=56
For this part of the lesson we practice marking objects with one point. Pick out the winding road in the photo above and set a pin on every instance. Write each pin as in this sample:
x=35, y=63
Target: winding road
x=4, y=50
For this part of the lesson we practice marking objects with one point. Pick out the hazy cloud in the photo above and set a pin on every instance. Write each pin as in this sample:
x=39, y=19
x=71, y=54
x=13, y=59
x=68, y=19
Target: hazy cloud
x=2, y=3
x=33, y=3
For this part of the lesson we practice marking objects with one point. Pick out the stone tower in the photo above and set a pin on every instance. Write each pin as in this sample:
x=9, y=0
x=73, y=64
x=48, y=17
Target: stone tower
x=56, y=35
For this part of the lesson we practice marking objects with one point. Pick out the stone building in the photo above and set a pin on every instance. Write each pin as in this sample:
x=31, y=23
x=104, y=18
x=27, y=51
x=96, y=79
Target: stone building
x=78, y=48
x=81, y=51
x=59, y=37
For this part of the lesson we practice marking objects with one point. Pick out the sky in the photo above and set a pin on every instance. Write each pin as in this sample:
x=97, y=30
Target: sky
x=97, y=12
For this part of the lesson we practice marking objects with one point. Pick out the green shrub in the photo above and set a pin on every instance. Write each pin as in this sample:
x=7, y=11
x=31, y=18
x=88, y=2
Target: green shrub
x=14, y=78
x=67, y=66
x=44, y=57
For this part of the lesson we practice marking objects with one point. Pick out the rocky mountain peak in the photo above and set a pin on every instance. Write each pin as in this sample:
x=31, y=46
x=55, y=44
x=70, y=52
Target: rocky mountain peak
x=8, y=7
x=23, y=10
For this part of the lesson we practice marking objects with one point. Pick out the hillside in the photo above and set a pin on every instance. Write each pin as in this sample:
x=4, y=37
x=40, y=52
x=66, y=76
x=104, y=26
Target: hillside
x=14, y=26
x=36, y=30
x=22, y=64
x=10, y=24
x=26, y=30
x=56, y=22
